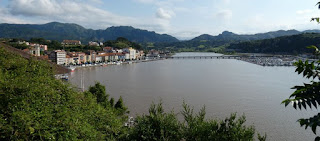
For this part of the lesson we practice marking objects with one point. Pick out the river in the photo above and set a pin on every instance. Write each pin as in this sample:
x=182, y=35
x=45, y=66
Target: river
x=224, y=86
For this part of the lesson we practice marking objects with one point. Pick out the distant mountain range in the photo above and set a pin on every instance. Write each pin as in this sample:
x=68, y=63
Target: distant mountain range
x=62, y=31
x=229, y=36
x=294, y=44
x=207, y=42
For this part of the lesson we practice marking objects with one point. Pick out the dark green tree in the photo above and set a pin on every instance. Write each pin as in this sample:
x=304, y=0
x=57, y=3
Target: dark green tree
x=308, y=95
x=120, y=106
x=157, y=126
x=112, y=101
x=99, y=91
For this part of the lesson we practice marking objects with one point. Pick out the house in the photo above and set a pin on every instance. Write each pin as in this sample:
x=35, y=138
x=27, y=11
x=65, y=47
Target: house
x=43, y=47
x=78, y=57
x=23, y=42
x=139, y=55
x=58, y=56
x=131, y=52
x=101, y=52
x=108, y=49
x=71, y=42
x=69, y=60
x=121, y=56
x=34, y=49
x=91, y=56
x=93, y=43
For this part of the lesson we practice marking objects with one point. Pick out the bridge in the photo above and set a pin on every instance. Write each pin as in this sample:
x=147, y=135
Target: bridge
x=215, y=57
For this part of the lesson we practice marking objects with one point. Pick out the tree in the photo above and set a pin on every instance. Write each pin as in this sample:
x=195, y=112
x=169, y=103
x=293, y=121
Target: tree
x=112, y=101
x=308, y=95
x=159, y=125
x=120, y=106
x=36, y=106
x=99, y=91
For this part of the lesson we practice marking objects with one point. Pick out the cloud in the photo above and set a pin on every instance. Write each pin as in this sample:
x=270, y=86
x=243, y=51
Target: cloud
x=34, y=7
x=84, y=13
x=68, y=11
x=164, y=14
x=226, y=1
x=224, y=14
x=307, y=11
x=6, y=17
x=145, y=1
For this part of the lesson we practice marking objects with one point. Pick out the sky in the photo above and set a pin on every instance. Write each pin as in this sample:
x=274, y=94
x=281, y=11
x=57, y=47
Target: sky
x=183, y=19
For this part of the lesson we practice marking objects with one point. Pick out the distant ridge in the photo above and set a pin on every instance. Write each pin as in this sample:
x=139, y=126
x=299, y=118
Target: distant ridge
x=60, y=31
x=229, y=36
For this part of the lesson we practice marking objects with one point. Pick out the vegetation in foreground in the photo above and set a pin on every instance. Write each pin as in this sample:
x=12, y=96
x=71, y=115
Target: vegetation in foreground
x=36, y=106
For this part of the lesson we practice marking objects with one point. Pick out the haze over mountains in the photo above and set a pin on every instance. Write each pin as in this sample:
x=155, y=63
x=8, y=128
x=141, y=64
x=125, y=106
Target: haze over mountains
x=60, y=31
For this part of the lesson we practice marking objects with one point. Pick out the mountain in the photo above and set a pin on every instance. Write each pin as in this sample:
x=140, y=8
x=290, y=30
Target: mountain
x=229, y=36
x=61, y=31
x=293, y=44
x=206, y=42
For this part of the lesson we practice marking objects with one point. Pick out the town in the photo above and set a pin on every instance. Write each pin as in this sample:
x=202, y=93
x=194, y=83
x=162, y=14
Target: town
x=108, y=55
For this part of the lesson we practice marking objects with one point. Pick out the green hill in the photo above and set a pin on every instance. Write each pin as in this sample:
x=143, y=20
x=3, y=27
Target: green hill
x=285, y=44
x=62, y=31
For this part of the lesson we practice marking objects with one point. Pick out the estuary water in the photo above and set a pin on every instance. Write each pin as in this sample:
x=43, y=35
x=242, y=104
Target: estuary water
x=224, y=86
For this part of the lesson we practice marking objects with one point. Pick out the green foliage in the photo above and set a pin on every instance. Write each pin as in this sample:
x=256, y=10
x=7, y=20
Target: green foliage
x=230, y=129
x=19, y=46
x=99, y=91
x=285, y=44
x=39, y=41
x=159, y=125
x=36, y=106
x=207, y=42
x=307, y=95
x=64, y=31
x=121, y=43
x=121, y=108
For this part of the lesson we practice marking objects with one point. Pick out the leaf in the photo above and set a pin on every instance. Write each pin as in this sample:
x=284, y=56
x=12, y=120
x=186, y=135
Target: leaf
x=31, y=130
x=313, y=101
x=314, y=128
x=312, y=46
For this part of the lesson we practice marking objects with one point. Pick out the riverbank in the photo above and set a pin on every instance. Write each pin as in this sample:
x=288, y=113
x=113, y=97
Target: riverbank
x=74, y=67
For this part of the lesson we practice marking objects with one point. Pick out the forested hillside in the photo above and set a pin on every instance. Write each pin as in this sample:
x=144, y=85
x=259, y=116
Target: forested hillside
x=66, y=31
x=287, y=44
x=36, y=106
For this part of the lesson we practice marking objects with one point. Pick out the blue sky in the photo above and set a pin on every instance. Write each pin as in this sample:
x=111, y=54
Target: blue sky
x=183, y=19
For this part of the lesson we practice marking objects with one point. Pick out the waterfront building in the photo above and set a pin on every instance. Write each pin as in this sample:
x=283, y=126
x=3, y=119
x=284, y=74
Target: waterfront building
x=131, y=52
x=58, y=56
x=69, y=60
x=108, y=49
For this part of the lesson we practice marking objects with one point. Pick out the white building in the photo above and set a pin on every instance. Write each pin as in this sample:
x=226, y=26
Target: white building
x=132, y=53
x=58, y=56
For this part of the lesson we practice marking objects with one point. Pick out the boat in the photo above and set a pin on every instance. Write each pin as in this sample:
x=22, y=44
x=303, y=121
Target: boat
x=65, y=77
x=72, y=69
